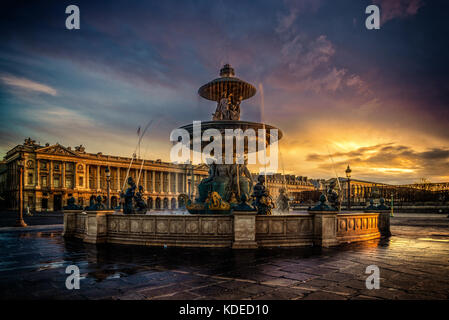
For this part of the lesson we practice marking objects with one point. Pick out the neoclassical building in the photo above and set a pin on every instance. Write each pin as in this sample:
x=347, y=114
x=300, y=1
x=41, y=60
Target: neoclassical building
x=54, y=173
x=293, y=184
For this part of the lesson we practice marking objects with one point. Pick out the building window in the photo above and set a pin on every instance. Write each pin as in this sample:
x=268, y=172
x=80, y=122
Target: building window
x=69, y=182
x=44, y=181
x=44, y=165
x=30, y=178
x=56, y=182
x=80, y=181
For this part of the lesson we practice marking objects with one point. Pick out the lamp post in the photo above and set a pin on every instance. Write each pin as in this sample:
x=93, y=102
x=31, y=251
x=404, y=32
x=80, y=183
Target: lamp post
x=108, y=180
x=20, y=164
x=348, y=175
x=190, y=178
x=189, y=182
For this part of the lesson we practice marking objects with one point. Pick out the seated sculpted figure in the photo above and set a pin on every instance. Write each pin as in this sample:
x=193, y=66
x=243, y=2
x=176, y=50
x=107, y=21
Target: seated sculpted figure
x=242, y=181
x=99, y=205
x=222, y=106
x=222, y=180
x=71, y=204
x=206, y=184
x=128, y=206
x=234, y=110
x=262, y=199
x=140, y=203
x=332, y=196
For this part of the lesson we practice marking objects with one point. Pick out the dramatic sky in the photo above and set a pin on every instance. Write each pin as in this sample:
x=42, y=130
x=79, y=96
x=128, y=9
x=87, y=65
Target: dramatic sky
x=376, y=99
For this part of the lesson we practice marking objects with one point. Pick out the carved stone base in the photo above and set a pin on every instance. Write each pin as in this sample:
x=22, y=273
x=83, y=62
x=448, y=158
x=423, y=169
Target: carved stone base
x=240, y=230
x=244, y=230
x=325, y=228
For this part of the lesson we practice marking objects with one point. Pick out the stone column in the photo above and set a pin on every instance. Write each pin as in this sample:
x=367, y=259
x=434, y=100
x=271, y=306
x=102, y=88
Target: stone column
x=38, y=174
x=144, y=174
x=153, y=181
x=162, y=182
x=96, y=226
x=75, y=175
x=119, y=183
x=325, y=228
x=63, y=174
x=384, y=223
x=50, y=173
x=86, y=177
x=169, y=183
x=244, y=230
x=176, y=183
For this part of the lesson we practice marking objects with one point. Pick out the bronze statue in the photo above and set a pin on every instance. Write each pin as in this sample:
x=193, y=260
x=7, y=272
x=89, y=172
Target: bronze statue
x=262, y=198
x=98, y=205
x=382, y=205
x=140, y=203
x=242, y=181
x=128, y=207
x=333, y=196
x=71, y=204
x=322, y=205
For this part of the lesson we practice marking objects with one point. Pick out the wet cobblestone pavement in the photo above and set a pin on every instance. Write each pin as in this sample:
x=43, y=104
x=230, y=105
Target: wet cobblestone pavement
x=414, y=264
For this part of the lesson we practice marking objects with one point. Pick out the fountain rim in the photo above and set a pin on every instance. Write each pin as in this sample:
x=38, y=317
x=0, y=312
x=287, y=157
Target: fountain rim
x=203, y=91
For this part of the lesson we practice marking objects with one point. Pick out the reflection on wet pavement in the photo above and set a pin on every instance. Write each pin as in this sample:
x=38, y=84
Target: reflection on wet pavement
x=413, y=265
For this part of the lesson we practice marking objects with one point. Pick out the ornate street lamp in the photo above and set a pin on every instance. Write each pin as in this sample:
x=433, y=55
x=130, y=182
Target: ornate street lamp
x=348, y=175
x=108, y=180
x=20, y=165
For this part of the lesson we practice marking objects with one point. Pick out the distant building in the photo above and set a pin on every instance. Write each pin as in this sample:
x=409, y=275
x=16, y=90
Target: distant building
x=428, y=186
x=293, y=184
x=361, y=190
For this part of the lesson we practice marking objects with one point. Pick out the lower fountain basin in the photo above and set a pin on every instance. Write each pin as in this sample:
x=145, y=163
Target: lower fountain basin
x=237, y=230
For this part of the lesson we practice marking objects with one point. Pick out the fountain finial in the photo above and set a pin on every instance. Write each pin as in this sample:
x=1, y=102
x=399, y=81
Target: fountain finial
x=227, y=71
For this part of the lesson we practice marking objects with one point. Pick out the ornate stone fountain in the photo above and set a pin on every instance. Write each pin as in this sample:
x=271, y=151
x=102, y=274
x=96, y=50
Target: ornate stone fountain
x=229, y=186
x=230, y=211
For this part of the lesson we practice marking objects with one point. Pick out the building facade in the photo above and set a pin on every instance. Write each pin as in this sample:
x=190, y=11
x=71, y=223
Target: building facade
x=294, y=185
x=428, y=186
x=54, y=173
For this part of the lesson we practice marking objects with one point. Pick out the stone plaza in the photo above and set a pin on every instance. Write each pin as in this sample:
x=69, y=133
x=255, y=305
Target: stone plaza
x=413, y=263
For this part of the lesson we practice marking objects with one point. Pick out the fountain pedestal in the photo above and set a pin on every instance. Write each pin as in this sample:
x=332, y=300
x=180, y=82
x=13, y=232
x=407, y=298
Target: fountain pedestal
x=96, y=226
x=244, y=230
x=325, y=228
